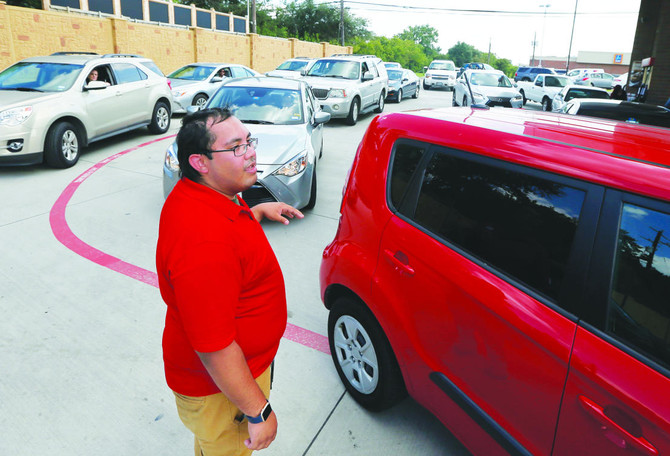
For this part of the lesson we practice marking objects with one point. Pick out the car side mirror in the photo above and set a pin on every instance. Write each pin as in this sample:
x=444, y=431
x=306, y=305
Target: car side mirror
x=405, y=80
x=425, y=69
x=216, y=79
x=368, y=76
x=303, y=72
x=96, y=85
x=192, y=109
x=321, y=117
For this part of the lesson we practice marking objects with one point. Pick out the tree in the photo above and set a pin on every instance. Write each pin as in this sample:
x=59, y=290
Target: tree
x=406, y=52
x=463, y=53
x=35, y=4
x=423, y=35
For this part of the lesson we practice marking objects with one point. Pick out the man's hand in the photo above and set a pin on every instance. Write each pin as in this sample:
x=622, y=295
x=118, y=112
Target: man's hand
x=277, y=212
x=262, y=434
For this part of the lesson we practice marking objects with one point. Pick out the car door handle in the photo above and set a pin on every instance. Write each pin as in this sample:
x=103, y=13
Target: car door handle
x=607, y=423
x=399, y=261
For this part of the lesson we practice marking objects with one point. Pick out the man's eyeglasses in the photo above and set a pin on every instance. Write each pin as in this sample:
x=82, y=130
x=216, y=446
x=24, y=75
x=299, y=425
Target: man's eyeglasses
x=240, y=149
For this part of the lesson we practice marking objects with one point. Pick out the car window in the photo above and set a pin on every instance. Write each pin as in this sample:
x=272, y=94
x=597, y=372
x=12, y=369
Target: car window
x=126, y=73
x=554, y=81
x=335, y=68
x=261, y=104
x=639, y=312
x=193, y=72
x=293, y=65
x=153, y=67
x=449, y=66
x=239, y=72
x=521, y=224
x=490, y=80
x=405, y=159
x=395, y=75
x=373, y=69
x=41, y=77
x=586, y=93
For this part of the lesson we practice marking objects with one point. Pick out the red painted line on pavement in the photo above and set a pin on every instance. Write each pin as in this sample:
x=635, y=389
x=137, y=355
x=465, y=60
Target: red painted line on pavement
x=65, y=236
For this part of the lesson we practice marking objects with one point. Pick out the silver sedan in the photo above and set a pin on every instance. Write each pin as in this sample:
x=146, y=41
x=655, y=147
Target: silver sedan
x=487, y=88
x=288, y=122
x=194, y=84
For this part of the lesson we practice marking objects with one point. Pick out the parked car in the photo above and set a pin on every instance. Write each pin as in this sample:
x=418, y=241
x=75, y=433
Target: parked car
x=348, y=85
x=292, y=68
x=621, y=80
x=528, y=73
x=394, y=65
x=543, y=89
x=194, y=84
x=579, y=73
x=49, y=112
x=474, y=66
x=570, y=92
x=402, y=83
x=485, y=88
x=509, y=270
x=627, y=111
x=288, y=123
x=602, y=80
x=440, y=74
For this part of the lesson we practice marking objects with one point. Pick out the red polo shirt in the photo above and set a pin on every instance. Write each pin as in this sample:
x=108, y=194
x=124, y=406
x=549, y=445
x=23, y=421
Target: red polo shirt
x=221, y=282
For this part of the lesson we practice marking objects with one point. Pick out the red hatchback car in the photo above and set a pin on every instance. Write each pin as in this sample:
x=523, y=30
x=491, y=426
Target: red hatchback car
x=511, y=271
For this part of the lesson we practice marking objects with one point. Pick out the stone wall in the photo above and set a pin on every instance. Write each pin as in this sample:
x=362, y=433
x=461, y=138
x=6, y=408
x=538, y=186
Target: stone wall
x=26, y=32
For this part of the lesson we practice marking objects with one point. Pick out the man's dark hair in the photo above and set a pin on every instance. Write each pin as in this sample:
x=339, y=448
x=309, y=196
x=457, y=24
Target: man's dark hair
x=195, y=137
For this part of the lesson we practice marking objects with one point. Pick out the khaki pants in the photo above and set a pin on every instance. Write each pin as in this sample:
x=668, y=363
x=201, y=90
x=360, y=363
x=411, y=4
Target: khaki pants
x=216, y=423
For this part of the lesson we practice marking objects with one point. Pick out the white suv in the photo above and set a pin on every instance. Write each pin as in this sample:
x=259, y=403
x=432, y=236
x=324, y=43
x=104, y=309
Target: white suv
x=49, y=110
x=440, y=73
x=346, y=85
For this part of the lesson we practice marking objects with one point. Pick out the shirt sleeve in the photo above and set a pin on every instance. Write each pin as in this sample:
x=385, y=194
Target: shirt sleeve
x=206, y=281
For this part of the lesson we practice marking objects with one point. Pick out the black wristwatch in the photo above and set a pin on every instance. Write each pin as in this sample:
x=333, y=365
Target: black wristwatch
x=263, y=416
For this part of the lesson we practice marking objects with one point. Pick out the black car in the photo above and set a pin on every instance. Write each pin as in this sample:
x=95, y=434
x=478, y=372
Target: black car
x=627, y=111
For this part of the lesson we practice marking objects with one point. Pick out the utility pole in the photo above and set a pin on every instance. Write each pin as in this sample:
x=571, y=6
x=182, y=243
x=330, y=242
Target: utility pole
x=341, y=22
x=574, y=16
x=253, y=17
x=488, y=60
x=532, y=62
x=544, y=20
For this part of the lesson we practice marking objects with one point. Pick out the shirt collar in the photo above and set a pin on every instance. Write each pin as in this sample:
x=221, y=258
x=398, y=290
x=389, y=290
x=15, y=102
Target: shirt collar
x=215, y=199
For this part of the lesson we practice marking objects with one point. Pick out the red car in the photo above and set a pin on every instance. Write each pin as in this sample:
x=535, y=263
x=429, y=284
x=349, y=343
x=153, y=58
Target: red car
x=510, y=270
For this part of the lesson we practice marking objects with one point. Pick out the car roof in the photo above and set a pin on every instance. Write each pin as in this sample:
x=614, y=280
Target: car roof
x=475, y=71
x=613, y=154
x=82, y=58
x=583, y=87
x=628, y=106
x=263, y=81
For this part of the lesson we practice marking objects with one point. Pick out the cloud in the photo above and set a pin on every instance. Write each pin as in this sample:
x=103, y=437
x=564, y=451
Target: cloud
x=635, y=212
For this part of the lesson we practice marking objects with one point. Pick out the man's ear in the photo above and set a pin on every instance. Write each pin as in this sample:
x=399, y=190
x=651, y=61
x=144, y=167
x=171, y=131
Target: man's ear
x=197, y=162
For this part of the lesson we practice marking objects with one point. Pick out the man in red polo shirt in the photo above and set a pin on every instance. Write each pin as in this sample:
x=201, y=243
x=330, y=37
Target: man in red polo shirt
x=224, y=290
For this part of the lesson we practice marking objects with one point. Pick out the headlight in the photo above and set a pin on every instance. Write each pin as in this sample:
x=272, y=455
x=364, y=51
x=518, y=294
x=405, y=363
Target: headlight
x=294, y=167
x=479, y=98
x=428, y=75
x=517, y=97
x=171, y=160
x=337, y=93
x=15, y=116
x=179, y=93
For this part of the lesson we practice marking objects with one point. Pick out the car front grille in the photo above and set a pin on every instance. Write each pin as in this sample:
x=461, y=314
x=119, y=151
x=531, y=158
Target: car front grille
x=320, y=93
x=257, y=194
x=499, y=101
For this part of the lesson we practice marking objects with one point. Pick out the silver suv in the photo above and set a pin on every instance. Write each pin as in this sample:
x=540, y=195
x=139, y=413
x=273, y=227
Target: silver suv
x=347, y=85
x=51, y=107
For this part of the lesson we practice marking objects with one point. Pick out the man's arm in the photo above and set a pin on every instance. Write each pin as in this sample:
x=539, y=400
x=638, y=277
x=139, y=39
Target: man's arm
x=230, y=372
x=276, y=212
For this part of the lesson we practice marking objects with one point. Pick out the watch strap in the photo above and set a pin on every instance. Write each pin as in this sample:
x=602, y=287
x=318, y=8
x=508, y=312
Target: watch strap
x=261, y=417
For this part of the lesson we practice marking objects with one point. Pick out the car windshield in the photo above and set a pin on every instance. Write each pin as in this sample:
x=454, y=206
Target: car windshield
x=261, y=105
x=39, y=76
x=490, y=80
x=293, y=65
x=442, y=66
x=556, y=81
x=394, y=75
x=193, y=72
x=335, y=69
x=585, y=93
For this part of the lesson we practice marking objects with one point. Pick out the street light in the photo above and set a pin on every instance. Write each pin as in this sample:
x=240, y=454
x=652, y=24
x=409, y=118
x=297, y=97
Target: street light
x=544, y=20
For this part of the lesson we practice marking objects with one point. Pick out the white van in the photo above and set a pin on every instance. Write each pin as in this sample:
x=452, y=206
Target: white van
x=579, y=73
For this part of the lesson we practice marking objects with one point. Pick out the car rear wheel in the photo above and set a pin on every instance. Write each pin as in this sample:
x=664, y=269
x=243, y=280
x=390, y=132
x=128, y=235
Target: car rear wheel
x=523, y=96
x=160, y=120
x=354, y=110
x=465, y=101
x=453, y=100
x=399, y=95
x=416, y=92
x=546, y=104
x=200, y=101
x=363, y=356
x=62, y=146
x=380, y=106
x=425, y=87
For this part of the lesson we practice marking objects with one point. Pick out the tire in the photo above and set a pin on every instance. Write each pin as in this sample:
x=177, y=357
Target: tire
x=200, y=101
x=321, y=149
x=380, y=106
x=425, y=87
x=453, y=99
x=399, y=98
x=363, y=356
x=416, y=93
x=525, y=79
x=312, y=192
x=160, y=119
x=546, y=104
x=354, y=111
x=62, y=146
x=523, y=96
x=465, y=101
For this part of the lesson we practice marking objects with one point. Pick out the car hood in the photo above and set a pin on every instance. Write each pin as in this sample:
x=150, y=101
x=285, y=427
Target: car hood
x=277, y=144
x=185, y=84
x=12, y=98
x=394, y=83
x=441, y=73
x=283, y=74
x=320, y=82
x=506, y=92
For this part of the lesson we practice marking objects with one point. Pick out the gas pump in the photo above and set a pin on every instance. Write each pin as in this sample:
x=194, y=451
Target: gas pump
x=647, y=68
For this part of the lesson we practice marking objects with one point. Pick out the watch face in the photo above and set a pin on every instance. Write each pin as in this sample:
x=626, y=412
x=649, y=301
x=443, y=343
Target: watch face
x=266, y=411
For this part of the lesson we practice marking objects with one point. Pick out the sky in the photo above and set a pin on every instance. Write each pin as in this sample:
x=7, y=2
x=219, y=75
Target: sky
x=509, y=26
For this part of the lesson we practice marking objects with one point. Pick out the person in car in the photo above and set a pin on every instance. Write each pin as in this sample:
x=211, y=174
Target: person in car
x=93, y=76
x=618, y=93
x=223, y=73
x=224, y=289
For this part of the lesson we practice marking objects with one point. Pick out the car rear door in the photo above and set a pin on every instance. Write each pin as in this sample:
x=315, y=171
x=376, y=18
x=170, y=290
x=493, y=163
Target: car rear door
x=616, y=399
x=475, y=269
x=133, y=104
